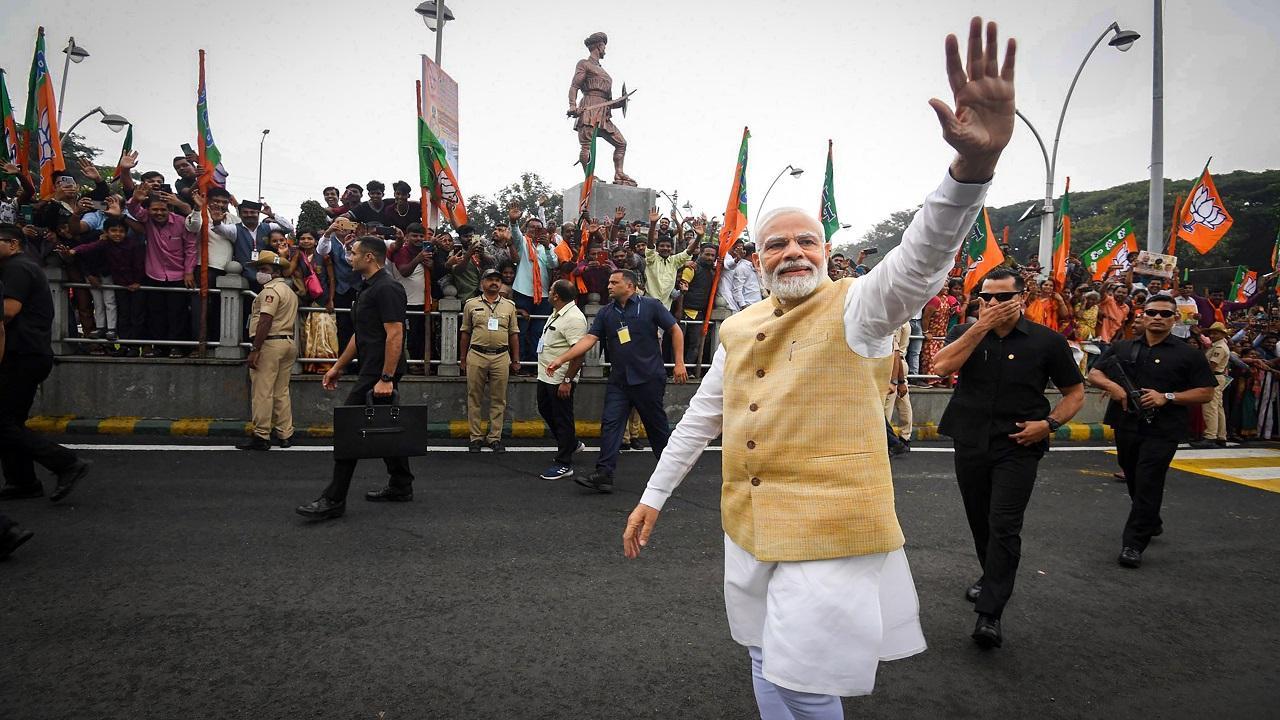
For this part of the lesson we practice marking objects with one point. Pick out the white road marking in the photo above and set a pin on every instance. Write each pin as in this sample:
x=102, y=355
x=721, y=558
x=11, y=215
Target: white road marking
x=1248, y=473
x=462, y=448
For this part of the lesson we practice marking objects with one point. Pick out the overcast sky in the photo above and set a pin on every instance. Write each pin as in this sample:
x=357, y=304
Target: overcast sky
x=334, y=83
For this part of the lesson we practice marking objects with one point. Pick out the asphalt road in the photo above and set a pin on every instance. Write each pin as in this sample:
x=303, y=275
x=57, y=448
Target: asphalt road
x=182, y=585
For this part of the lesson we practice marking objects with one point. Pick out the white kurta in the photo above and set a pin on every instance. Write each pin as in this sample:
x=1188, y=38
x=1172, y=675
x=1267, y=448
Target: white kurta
x=824, y=625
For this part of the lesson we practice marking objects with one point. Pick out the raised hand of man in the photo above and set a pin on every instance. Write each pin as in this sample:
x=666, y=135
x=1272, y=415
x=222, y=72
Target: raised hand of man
x=982, y=122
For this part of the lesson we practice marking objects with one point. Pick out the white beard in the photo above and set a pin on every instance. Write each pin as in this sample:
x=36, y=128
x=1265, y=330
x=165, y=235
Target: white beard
x=794, y=288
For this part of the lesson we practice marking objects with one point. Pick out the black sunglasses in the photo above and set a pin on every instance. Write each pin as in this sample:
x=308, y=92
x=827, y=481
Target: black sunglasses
x=1159, y=313
x=999, y=296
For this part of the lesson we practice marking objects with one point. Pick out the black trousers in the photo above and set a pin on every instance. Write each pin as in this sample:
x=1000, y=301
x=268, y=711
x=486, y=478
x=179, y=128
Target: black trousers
x=1145, y=462
x=346, y=323
x=416, y=343
x=168, y=313
x=399, y=478
x=131, y=315
x=20, y=448
x=996, y=485
x=558, y=414
x=619, y=400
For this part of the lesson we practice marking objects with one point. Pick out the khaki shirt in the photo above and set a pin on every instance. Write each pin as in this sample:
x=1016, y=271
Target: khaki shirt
x=277, y=299
x=475, y=320
x=564, y=328
x=1218, y=356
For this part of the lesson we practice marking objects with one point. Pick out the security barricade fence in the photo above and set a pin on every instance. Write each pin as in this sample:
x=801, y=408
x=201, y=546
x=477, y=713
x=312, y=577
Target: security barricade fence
x=230, y=340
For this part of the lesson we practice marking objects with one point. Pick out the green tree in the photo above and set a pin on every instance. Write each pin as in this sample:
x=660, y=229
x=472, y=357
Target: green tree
x=484, y=212
x=312, y=217
x=886, y=235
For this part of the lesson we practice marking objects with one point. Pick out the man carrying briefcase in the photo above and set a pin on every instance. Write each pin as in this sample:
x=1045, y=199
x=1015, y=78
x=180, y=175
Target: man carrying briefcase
x=379, y=316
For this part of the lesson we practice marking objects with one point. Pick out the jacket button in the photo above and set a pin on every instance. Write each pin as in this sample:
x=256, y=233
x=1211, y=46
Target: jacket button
x=777, y=313
x=760, y=372
x=755, y=481
x=759, y=336
x=754, y=407
x=751, y=444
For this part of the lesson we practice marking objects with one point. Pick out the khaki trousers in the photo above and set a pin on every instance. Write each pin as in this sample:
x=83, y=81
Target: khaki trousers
x=487, y=374
x=1215, y=415
x=271, y=403
x=633, y=428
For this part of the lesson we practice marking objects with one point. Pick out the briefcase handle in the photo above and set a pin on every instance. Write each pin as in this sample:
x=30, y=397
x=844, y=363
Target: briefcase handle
x=395, y=397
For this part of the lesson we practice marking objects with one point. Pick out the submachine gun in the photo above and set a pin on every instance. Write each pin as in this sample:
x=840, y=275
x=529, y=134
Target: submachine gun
x=1114, y=369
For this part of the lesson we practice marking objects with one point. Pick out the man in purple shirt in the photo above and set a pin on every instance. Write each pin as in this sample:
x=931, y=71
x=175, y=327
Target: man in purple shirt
x=170, y=262
x=1215, y=308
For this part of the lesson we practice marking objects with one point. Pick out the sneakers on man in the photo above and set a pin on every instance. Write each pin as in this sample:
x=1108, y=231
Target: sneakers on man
x=68, y=478
x=598, y=481
x=255, y=443
x=474, y=446
x=496, y=446
x=636, y=445
x=557, y=472
x=1130, y=558
x=582, y=447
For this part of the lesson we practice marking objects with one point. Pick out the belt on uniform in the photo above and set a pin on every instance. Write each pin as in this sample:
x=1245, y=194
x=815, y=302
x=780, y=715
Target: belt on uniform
x=488, y=350
x=279, y=337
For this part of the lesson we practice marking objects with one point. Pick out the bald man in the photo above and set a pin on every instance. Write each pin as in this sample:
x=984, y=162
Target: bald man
x=816, y=584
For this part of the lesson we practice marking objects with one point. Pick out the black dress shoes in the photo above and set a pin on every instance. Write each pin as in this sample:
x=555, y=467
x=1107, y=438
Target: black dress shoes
x=1130, y=558
x=255, y=443
x=21, y=492
x=598, y=481
x=322, y=509
x=388, y=494
x=987, y=632
x=284, y=442
x=68, y=478
x=474, y=446
x=974, y=591
x=10, y=541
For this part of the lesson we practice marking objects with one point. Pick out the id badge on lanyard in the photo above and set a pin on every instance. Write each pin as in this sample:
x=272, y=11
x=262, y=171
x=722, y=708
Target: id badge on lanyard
x=624, y=334
x=492, y=326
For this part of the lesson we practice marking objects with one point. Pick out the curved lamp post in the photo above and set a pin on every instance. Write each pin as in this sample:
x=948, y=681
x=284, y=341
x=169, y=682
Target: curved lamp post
x=1122, y=40
x=115, y=122
x=795, y=172
x=75, y=54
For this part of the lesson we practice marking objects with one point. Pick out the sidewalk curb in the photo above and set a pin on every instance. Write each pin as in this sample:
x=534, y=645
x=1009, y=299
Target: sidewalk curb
x=453, y=429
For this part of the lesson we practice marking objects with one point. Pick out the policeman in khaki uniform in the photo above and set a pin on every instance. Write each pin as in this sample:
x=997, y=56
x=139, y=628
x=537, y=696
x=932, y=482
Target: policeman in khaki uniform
x=490, y=344
x=1215, y=416
x=273, y=317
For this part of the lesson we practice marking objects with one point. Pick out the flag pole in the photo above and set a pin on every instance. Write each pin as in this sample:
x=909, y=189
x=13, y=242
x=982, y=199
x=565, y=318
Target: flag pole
x=204, y=246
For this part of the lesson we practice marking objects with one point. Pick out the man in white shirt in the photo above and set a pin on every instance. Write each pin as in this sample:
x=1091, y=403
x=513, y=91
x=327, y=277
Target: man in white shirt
x=563, y=329
x=816, y=582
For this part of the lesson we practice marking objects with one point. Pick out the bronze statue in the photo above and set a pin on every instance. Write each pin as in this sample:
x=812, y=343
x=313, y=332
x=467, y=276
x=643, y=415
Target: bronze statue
x=593, y=111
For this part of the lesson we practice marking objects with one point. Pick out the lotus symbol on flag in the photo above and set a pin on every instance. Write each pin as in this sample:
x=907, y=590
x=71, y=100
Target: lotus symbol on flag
x=1204, y=211
x=46, y=138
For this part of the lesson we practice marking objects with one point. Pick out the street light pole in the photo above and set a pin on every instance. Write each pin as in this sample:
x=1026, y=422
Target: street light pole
x=1122, y=41
x=115, y=122
x=795, y=172
x=75, y=54
x=1155, y=200
x=261, y=145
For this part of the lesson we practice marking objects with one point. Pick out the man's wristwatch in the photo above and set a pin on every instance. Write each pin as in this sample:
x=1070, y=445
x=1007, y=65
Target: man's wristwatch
x=387, y=378
x=1053, y=424
x=1168, y=396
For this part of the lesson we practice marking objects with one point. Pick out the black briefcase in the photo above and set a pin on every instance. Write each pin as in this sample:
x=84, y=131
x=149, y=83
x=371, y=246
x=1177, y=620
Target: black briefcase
x=378, y=431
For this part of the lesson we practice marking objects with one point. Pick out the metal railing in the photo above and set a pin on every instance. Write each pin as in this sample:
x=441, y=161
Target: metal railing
x=233, y=296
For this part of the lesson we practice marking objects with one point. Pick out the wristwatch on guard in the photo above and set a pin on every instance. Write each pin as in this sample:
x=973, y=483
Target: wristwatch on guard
x=387, y=378
x=1168, y=396
x=1053, y=424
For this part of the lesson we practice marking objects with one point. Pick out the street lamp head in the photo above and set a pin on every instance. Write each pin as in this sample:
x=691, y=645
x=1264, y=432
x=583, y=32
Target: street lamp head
x=687, y=206
x=795, y=171
x=1124, y=40
x=264, y=132
x=74, y=51
x=432, y=15
x=113, y=121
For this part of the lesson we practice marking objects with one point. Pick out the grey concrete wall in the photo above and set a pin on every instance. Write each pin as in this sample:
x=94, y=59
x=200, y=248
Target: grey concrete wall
x=173, y=389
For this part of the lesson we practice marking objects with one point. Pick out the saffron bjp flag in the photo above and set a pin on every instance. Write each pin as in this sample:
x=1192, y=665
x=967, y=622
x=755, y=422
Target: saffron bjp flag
x=735, y=221
x=1204, y=218
x=212, y=174
x=8, y=128
x=827, y=208
x=125, y=149
x=1062, y=242
x=1113, y=249
x=42, y=115
x=1173, y=226
x=434, y=173
x=588, y=176
x=982, y=254
x=1275, y=253
x=1243, y=285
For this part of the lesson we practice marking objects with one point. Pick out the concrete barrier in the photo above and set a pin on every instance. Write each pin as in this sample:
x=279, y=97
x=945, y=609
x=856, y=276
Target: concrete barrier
x=85, y=392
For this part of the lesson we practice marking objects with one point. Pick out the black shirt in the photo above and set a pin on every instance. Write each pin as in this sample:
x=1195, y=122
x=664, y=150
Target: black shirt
x=639, y=360
x=28, y=333
x=366, y=213
x=1169, y=366
x=1003, y=382
x=380, y=299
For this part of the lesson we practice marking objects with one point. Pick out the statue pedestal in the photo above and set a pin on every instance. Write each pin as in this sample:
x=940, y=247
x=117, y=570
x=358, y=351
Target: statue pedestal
x=607, y=197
